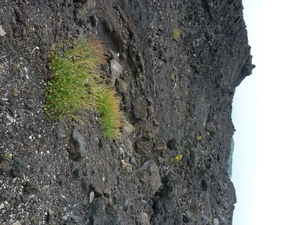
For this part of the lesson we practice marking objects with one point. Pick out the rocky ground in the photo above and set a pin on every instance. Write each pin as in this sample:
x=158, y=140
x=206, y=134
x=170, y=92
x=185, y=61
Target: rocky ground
x=177, y=97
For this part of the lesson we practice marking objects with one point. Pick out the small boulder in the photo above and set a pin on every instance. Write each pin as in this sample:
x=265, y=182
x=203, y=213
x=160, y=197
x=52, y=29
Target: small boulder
x=140, y=109
x=2, y=32
x=77, y=146
x=149, y=177
x=115, y=70
x=17, y=167
x=211, y=127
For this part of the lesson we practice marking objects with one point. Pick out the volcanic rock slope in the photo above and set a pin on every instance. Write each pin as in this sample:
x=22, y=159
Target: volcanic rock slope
x=178, y=62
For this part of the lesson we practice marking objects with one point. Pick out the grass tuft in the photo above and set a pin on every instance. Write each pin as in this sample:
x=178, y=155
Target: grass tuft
x=176, y=33
x=108, y=109
x=73, y=88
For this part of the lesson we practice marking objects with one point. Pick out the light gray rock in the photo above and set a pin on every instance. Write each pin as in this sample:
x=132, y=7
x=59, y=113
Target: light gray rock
x=127, y=128
x=144, y=219
x=61, y=130
x=77, y=146
x=115, y=70
x=2, y=32
x=216, y=221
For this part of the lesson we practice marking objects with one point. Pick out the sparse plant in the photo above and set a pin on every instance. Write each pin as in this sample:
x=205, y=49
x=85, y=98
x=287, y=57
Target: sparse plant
x=76, y=83
x=178, y=158
x=199, y=137
x=176, y=33
x=7, y=156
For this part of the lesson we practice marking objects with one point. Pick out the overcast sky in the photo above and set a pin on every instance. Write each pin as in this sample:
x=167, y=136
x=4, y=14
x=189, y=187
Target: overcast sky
x=266, y=115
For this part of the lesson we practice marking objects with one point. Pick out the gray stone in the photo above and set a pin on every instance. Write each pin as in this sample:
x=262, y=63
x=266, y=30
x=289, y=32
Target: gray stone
x=160, y=145
x=115, y=70
x=2, y=31
x=94, y=20
x=30, y=187
x=127, y=128
x=29, y=103
x=211, y=127
x=17, y=167
x=132, y=161
x=5, y=166
x=127, y=167
x=61, y=130
x=144, y=219
x=216, y=221
x=113, y=55
x=99, y=214
x=149, y=177
x=77, y=146
x=140, y=109
x=121, y=85
x=72, y=219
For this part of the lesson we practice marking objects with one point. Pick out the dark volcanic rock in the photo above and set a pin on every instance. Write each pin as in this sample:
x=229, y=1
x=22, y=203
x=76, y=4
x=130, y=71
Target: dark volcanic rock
x=17, y=167
x=170, y=164
x=101, y=214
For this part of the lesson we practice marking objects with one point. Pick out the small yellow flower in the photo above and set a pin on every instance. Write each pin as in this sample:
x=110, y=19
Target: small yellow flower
x=207, y=133
x=177, y=158
x=199, y=137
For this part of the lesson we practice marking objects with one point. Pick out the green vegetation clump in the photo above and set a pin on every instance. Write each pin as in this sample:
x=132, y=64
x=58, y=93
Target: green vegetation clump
x=109, y=111
x=7, y=156
x=176, y=33
x=76, y=85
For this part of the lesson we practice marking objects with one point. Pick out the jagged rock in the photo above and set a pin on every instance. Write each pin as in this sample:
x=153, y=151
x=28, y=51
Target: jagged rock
x=140, y=109
x=216, y=221
x=77, y=146
x=132, y=161
x=72, y=220
x=115, y=70
x=160, y=145
x=30, y=187
x=113, y=55
x=99, y=214
x=144, y=219
x=149, y=177
x=211, y=127
x=127, y=128
x=29, y=103
x=2, y=31
x=94, y=20
x=172, y=144
x=121, y=85
x=127, y=167
x=17, y=167
x=61, y=130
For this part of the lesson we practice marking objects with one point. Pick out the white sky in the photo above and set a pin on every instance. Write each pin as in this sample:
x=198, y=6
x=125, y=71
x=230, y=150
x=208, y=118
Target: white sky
x=266, y=115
